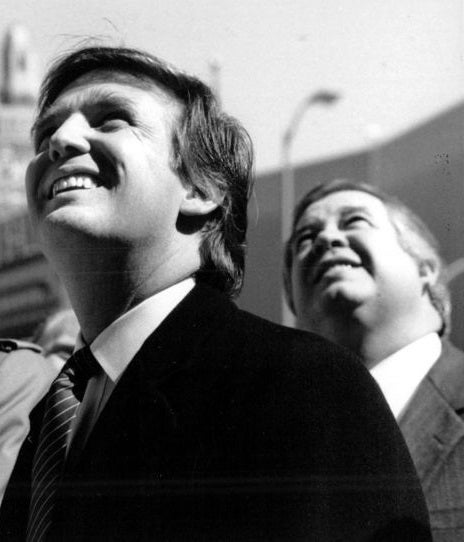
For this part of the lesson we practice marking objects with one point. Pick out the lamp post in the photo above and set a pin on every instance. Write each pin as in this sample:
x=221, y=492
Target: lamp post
x=214, y=66
x=322, y=97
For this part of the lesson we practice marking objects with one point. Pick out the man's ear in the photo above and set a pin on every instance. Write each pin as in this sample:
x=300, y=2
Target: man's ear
x=428, y=271
x=196, y=204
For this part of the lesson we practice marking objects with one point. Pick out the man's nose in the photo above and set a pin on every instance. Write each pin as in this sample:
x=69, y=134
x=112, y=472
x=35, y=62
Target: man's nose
x=330, y=237
x=70, y=138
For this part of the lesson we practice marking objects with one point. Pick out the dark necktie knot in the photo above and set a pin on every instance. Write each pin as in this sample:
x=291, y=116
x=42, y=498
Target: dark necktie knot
x=80, y=367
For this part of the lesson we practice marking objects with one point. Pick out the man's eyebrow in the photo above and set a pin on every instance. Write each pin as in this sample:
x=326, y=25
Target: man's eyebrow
x=41, y=121
x=314, y=223
x=354, y=209
x=96, y=98
x=307, y=227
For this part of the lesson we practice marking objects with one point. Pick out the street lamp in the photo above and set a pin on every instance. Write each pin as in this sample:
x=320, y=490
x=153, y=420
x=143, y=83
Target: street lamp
x=215, y=67
x=322, y=97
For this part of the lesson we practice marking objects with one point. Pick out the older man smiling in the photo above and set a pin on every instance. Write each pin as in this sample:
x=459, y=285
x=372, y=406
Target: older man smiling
x=364, y=271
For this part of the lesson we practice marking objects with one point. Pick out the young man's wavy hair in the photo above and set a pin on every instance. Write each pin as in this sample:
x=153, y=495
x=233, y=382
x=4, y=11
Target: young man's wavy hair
x=211, y=151
x=413, y=235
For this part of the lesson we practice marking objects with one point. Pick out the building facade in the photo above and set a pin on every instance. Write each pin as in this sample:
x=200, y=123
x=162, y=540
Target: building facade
x=28, y=289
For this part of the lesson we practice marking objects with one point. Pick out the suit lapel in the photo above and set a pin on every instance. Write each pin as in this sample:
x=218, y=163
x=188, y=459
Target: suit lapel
x=431, y=425
x=171, y=349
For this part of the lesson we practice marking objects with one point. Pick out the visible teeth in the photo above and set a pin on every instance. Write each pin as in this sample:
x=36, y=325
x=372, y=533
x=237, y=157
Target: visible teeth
x=334, y=265
x=72, y=182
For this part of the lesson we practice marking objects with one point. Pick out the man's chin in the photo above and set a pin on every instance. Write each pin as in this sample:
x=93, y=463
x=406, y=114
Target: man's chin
x=62, y=228
x=344, y=295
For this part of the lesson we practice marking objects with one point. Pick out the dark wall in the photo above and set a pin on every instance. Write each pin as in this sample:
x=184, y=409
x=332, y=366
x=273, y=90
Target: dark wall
x=262, y=289
x=424, y=167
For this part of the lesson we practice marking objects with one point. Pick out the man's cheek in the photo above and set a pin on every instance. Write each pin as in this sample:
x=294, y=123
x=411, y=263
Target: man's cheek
x=31, y=183
x=34, y=173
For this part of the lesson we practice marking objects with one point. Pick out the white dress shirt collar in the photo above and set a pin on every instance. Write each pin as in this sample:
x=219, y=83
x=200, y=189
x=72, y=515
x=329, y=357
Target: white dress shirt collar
x=117, y=344
x=400, y=374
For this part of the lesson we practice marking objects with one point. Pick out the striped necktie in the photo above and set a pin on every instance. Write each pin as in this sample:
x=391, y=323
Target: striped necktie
x=63, y=399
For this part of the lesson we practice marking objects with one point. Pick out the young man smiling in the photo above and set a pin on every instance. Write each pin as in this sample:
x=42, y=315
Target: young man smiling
x=364, y=271
x=198, y=421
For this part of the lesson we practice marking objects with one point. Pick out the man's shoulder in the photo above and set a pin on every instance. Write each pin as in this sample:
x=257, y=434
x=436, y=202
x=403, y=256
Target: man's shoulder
x=293, y=342
x=451, y=357
x=302, y=361
x=16, y=345
x=447, y=374
x=438, y=398
x=214, y=328
x=22, y=363
x=14, y=349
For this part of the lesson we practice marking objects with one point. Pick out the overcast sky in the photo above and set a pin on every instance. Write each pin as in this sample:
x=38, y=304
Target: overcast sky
x=394, y=63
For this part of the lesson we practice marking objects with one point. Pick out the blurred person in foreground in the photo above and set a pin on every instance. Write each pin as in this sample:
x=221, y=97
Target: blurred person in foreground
x=364, y=271
x=25, y=377
x=26, y=371
x=197, y=421
x=57, y=336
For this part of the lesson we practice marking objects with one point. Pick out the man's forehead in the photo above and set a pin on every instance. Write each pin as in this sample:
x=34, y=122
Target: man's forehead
x=107, y=75
x=116, y=78
x=343, y=201
x=109, y=86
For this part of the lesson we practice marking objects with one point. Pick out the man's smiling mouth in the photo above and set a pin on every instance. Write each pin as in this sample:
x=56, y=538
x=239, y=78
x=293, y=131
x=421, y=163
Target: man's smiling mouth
x=72, y=182
x=333, y=264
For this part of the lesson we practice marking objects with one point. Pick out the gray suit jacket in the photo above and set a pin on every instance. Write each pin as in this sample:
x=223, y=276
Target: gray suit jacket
x=433, y=427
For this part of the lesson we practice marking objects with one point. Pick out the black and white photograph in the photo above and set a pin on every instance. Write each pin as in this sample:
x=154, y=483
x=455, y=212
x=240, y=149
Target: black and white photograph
x=232, y=271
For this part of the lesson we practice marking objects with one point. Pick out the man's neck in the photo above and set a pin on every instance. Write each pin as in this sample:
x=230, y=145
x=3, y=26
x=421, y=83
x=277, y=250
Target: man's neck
x=373, y=343
x=102, y=285
x=378, y=344
x=387, y=337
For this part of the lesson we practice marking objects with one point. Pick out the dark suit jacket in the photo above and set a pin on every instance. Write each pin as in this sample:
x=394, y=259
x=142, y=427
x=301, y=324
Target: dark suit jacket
x=227, y=427
x=433, y=427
